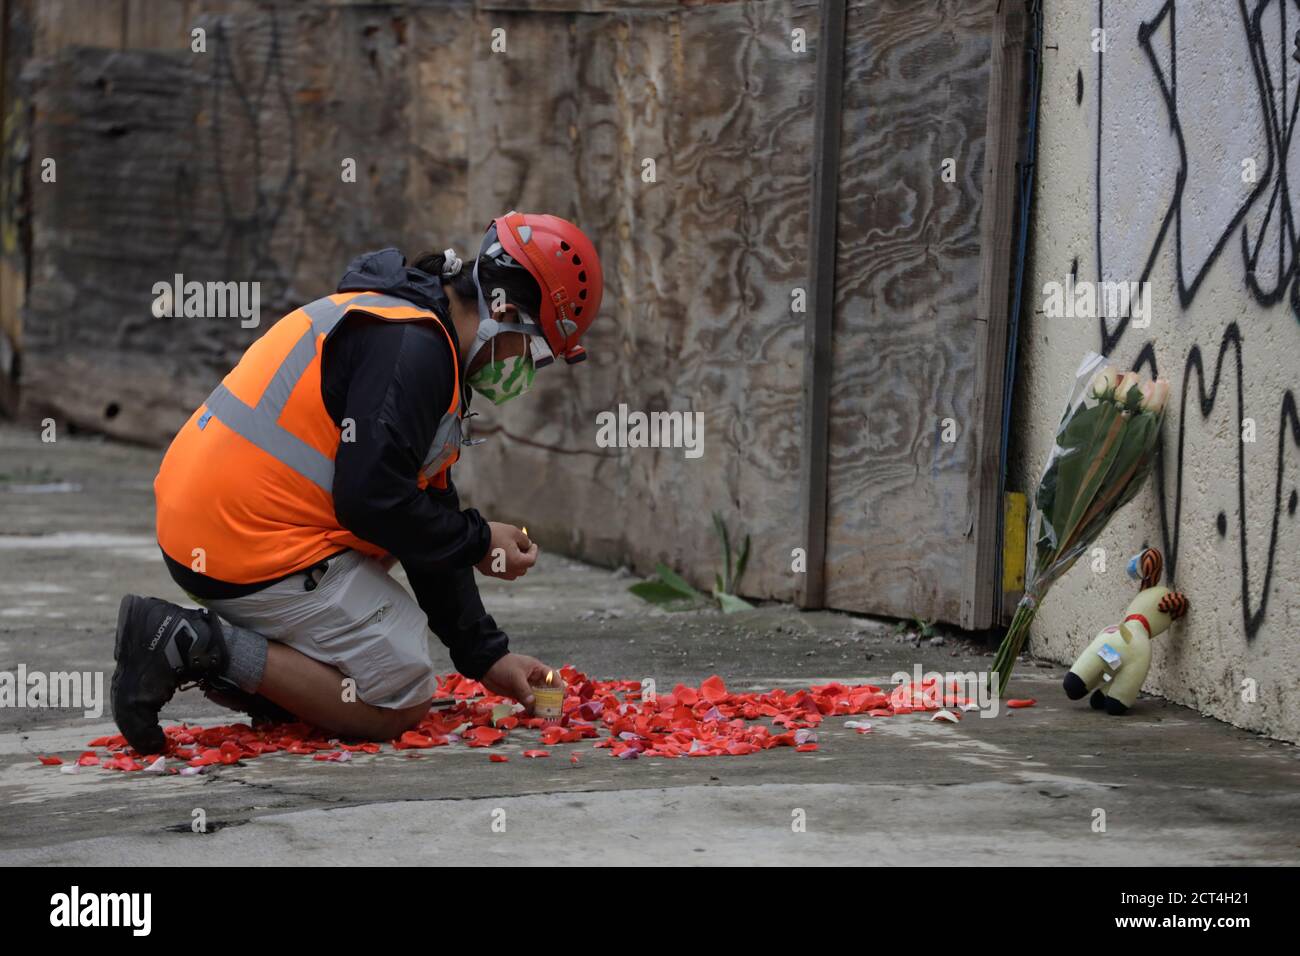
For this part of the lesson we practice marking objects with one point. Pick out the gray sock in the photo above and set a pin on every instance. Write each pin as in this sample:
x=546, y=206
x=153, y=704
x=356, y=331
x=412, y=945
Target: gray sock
x=247, y=657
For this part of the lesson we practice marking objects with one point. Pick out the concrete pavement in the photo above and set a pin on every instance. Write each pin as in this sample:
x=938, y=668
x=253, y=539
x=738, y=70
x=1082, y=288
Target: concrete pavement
x=1028, y=786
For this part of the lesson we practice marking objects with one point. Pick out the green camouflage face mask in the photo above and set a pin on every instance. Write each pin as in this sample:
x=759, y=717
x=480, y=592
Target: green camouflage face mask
x=501, y=380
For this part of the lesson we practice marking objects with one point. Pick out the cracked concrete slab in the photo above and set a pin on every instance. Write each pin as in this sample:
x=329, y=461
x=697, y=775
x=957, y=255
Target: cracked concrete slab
x=76, y=532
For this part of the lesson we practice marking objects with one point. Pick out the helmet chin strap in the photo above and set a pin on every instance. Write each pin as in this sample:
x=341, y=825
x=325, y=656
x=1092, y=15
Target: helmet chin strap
x=489, y=327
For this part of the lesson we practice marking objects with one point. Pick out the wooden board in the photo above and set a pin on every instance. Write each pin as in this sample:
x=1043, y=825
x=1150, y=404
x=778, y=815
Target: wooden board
x=227, y=166
x=916, y=91
x=819, y=322
x=15, y=221
x=69, y=23
x=699, y=269
x=981, y=602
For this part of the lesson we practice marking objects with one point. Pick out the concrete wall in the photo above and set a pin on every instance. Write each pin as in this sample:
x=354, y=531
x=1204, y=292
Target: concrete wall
x=1144, y=174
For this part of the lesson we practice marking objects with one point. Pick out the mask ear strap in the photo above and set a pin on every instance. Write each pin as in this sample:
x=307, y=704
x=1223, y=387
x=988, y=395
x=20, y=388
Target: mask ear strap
x=487, y=330
x=486, y=324
x=488, y=327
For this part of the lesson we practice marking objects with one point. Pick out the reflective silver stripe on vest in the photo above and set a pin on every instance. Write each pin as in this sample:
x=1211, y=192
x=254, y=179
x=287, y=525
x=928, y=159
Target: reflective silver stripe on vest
x=445, y=445
x=325, y=314
x=259, y=424
x=277, y=392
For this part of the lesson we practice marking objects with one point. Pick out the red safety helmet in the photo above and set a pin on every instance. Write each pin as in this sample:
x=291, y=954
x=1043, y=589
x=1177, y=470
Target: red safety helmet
x=564, y=264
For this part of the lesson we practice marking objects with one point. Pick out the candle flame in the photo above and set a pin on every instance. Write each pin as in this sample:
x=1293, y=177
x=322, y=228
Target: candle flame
x=550, y=678
x=524, y=529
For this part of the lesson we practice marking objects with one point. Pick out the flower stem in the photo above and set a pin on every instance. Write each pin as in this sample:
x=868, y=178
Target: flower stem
x=1005, y=660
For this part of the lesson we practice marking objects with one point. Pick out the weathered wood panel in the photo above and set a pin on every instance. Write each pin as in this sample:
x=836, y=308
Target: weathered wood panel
x=578, y=6
x=699, y=270
x=151, y=25
x=594, y=6
x=15, y=221
x=227, y=166
x=916, y=91
x=981, y=603
x=65, y=23
x=819, y=324
x=118, y=127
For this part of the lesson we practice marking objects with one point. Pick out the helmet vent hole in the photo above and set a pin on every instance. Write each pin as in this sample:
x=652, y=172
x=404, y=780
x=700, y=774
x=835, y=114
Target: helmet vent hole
x=582, y=294
x=565, y=246
x=577, y=261
x=577, y=310
x=582, y=276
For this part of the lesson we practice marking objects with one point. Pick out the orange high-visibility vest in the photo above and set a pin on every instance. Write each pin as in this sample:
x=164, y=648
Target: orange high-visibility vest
x=244, y=493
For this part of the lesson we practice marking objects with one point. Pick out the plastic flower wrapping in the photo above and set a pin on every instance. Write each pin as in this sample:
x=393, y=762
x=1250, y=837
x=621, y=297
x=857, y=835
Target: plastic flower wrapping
x=1104, y=449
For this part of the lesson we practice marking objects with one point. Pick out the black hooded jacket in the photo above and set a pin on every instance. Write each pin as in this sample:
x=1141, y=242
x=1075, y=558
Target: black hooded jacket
x=394, y=381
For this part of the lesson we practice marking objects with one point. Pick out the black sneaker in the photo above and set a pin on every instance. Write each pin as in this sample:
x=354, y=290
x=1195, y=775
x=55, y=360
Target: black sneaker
x=159, y=646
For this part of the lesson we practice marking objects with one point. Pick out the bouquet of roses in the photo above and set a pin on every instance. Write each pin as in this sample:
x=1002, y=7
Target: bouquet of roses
x=1105, y=448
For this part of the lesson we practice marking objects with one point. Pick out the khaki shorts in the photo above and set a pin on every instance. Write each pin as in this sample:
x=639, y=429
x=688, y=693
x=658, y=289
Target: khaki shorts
x=357, y=619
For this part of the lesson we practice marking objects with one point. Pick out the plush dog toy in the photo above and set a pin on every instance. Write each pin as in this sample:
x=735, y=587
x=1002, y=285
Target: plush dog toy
x=1115, y=664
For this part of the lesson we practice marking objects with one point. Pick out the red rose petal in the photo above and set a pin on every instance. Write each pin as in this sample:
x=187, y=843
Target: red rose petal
x=713, y=689
x=710, y=721
x=121, y=762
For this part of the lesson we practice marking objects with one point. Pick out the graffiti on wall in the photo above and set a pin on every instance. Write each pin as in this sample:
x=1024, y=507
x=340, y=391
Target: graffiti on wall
x=1207, y=167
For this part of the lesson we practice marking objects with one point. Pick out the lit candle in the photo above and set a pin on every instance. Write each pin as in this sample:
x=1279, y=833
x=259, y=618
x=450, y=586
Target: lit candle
x=548, y=698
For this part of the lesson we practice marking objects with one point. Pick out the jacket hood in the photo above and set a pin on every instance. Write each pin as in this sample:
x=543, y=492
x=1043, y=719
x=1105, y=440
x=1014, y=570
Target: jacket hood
x=386, y=271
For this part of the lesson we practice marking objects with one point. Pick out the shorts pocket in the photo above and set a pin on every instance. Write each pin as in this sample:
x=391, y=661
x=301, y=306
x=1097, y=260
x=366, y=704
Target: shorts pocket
x=377, y=635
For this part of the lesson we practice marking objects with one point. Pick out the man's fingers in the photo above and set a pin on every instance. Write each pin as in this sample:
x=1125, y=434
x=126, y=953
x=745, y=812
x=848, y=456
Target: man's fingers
x=537, y=672
x=523, y=693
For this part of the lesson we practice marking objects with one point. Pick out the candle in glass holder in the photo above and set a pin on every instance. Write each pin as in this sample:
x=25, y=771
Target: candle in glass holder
x=548, y=698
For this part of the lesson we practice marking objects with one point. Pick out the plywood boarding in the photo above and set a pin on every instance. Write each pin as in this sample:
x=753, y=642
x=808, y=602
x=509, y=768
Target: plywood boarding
x=67, y=23
x=593, y=6
x=578, y=6
x=699, y=270
x=916, y=91
x=225, y=166
x=118, y=127
x=15, y=153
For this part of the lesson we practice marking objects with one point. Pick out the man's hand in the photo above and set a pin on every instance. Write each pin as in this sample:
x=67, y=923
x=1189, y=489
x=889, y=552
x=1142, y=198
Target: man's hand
x=510, y=554
x=513, y=675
